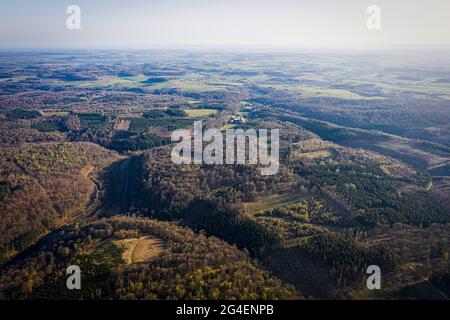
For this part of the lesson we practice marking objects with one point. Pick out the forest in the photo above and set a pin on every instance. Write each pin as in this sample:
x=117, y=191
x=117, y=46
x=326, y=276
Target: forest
x=86, y=176
x=193, y=266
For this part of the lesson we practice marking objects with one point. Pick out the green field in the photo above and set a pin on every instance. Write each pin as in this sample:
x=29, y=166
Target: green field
x=198, y=113
x=312, y=155
x=111, y=81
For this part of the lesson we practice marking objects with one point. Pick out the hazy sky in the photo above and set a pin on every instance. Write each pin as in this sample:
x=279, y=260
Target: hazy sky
x=285, y=23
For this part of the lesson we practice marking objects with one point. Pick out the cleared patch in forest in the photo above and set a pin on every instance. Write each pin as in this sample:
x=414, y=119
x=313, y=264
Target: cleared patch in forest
x=196, y=113
x=122, y=125
x=274, y=201
x=141, y=249
x=85, y=171
x=312, y=155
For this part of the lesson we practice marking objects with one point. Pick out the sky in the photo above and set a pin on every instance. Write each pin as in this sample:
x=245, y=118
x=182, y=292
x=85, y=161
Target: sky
x=230, y=23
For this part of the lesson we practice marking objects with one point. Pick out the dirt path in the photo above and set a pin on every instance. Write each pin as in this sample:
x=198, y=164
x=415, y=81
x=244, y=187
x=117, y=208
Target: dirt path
x=87, y=212
x=443, y=164
x=141, y=249
x=86, y=171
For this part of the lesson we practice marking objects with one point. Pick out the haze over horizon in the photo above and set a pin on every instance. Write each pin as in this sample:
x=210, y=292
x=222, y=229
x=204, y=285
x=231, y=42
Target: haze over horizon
x=173, y=23
x=222, y=151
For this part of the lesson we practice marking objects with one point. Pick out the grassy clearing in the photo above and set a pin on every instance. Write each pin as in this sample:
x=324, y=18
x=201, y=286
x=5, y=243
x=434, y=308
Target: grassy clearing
x=197, y=86
x=197, y=113
x=187, y=84
x=84, y=172
x=122, y=125
x=110, y=81
x=274, y=201
x=312, y=155
x=140, y=81
x=311, y=92
x=142, y=249
x=425, y=87
x=55, y=113
x=320, y=92
x=108, y=252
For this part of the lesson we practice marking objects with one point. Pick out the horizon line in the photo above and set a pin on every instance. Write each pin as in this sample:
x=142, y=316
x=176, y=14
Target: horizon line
x=385, y=48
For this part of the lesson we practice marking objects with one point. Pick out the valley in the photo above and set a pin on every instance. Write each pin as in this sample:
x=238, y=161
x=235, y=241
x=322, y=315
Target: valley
x=87, y=178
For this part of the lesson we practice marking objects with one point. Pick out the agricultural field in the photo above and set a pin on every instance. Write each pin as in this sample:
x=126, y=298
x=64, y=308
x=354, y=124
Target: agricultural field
x=199, y=113
x=312, y=155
